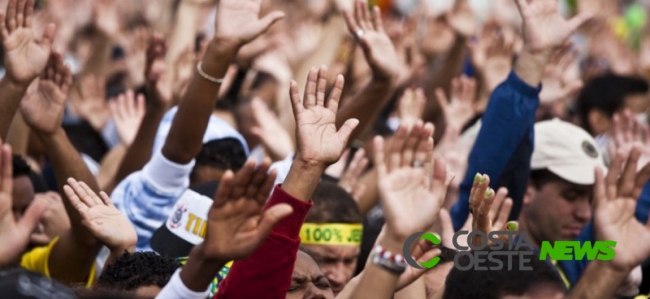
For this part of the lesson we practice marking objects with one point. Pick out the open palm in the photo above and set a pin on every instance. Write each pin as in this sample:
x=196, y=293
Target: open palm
x=25, y=58
x=544, y=27
x=43, y=108
x=318, y=139
x=236, y=223
x=238, y=20
x=377, y=46
x=615, y=204
x=100, y=216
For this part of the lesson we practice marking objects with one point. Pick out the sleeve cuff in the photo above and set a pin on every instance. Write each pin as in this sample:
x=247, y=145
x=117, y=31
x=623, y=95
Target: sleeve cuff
x=166, y=176
x=289, y=226
x=175, y=288
x=523, y=87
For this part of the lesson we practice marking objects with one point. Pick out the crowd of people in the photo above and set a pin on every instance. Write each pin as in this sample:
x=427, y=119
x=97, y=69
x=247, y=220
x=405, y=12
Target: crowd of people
x=223, y=149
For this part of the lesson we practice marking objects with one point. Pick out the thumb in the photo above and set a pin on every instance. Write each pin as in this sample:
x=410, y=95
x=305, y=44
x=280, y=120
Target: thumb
x=265, y=23
x=32, y=216
x=48, y=36
x=346, y=130
x=578, y=20
x=271, y=217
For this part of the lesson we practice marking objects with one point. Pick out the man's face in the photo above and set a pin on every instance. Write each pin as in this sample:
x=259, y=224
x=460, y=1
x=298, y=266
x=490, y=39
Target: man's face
x=558, y=211
x=337, y=262
x=23, y=194
x=148, y=291
x=308, y=282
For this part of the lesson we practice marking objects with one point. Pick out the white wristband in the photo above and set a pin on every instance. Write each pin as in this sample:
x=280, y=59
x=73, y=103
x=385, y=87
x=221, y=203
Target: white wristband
x=205, y=76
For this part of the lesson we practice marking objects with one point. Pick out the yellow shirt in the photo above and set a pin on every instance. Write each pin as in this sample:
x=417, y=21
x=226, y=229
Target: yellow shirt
x=36, y=260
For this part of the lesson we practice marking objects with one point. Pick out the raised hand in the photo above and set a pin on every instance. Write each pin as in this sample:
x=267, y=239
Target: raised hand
x=90, y=102
x=101, y=217
x=13, y=232
x=158, y=80
x=318, y=139
x=411, y=106
x=127, y=114
x=268, y=129
x=25, y=57
x=627, y=131
x=544, y=29
x=490, y=210
x=136, y=57
x=492, y=55
x=43, y=109
x=555, y=88
x=237, y=223
x=412, y=190
x=377, y=46
x=462, y=106
x=615, y=200
x=54, y=222
x=238, y=21
x=349, y=180
x=462, y=18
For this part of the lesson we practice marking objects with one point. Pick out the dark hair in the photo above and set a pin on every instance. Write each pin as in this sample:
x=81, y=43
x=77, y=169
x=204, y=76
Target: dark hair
x=446, y=255
x=20, y=167
x=494, y=284
x=541, y=177
x=606, y=93
x=222, y=154
x=332, y=204
x=104, y=293
x=140, y=269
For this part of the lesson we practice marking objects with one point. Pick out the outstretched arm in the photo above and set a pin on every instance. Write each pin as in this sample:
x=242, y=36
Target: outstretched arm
x=25, y=57
x=73, y=255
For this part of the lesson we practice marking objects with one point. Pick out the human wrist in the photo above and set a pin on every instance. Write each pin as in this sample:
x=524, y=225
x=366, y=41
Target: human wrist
x=16, y=85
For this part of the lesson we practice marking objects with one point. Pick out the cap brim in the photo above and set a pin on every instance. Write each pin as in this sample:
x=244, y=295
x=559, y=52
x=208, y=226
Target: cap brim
x=168, y=244
x=577, y=174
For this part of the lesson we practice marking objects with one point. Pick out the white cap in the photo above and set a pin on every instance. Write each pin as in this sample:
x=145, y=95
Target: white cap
x=217, y=129
x=567, y=151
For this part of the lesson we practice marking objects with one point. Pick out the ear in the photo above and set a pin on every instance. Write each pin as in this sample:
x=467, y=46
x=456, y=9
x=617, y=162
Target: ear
x=530, y=193
x=598, y=122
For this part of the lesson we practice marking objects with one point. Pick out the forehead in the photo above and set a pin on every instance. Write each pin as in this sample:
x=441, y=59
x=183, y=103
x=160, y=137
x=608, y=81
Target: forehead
x=306, y=266
x=333, y=251
x=559, y=185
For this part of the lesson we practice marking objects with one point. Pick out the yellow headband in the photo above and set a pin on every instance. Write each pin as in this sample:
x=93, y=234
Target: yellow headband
x=331, y=234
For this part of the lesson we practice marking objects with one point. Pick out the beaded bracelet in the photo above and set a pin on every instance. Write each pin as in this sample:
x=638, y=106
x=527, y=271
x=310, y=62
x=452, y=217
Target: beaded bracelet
x=394, y=263
x=199, y=68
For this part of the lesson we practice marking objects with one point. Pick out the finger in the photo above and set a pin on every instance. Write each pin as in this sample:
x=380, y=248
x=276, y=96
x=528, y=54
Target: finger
x=396, y=145
x=346, y=130
x=483, y=216
x=321, y=86
x=242, y=179
x=512, y=226
x=48, y=36
x=296, y=104
x=141, y=106
x=105, y=199
x=578, y=21
x=358, y=191
x=499, y=198
x=335, y=94
x=600, y=195
x=440, y=180
x=91, y=193
x=270, y=218
x=615, y=169
x=310, y=88
x=365, y=14
x=424, y=150
x=627, y=180
x=472, y=192
x=359, y=163
x=7, y=171
x=442, y=98
x=258, y=178
x=446, y=228
x=225, y=188
x=11, y=15
x=29, y=13
x=379, y=155
x=351, y=23
x=75, y=200
x=408, y=151
x=32, y=216
x=359, y=10
x=20, y=13
x=266, y=22
x=67, y=80
x=265, y=190
x=504, y=213
x=642, y=178
x=3, y=27
x=376, y=19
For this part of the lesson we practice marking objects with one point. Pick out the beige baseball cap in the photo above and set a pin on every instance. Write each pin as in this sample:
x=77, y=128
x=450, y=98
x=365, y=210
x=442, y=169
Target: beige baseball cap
x=567, y=151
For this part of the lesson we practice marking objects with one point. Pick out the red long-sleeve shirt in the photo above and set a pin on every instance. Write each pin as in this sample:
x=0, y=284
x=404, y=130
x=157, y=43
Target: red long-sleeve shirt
x=267, y=272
